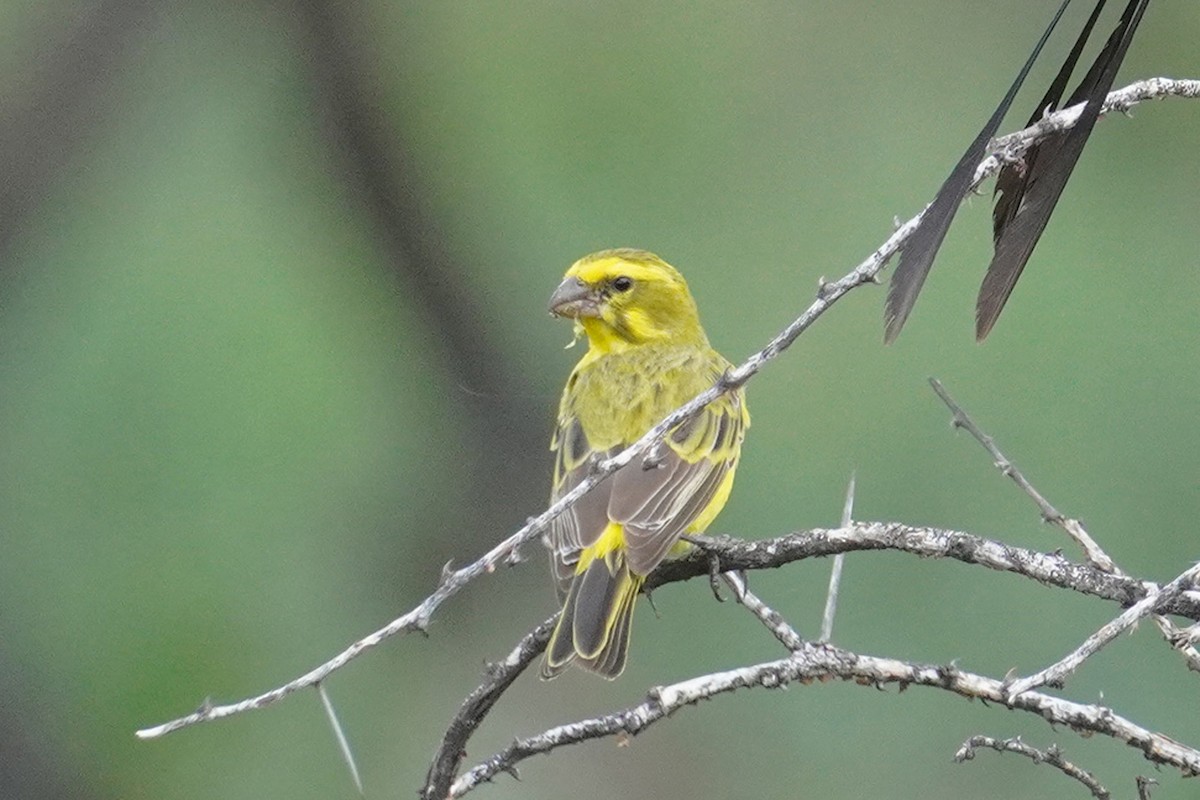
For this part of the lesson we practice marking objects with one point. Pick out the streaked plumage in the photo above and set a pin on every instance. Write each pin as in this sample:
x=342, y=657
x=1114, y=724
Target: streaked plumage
x=647, y=355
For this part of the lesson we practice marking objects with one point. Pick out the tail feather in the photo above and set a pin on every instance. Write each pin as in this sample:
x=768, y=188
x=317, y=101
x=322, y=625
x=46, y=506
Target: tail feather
x=599, y=599
x=595, y=623
x=611, y=661
x=561, y=649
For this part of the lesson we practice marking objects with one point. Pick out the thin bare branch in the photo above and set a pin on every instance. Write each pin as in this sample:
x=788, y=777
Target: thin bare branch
x=1011, y=147
x=1056, y=673
x=1074, y=529
x=1182, y=639
x=835, y=574
x=829, y=292
x=819, y=661
x=1051, y=755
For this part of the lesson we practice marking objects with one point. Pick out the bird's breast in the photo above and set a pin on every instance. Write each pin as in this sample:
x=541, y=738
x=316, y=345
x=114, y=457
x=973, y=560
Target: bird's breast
x=618, y=398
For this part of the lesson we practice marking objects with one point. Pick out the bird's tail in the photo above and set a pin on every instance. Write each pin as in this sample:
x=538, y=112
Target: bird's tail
x=595, y=621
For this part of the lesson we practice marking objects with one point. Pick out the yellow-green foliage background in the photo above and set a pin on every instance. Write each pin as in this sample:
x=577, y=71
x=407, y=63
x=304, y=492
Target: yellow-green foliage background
x=232, y=439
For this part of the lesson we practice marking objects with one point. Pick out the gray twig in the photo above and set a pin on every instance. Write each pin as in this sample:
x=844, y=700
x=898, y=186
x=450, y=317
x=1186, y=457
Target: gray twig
x=1051, y=569
x=779, y=627
x=1051, y=755
x=1056, y=673
x=475, y=707
x=1011, y=148
x=1182, y=639
x=736, y=555
x=1050, y=514
x=1073, y=527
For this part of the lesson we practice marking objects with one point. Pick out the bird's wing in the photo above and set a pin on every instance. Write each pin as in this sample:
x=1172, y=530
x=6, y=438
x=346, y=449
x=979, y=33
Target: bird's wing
x=658, y=504
x=581, y=524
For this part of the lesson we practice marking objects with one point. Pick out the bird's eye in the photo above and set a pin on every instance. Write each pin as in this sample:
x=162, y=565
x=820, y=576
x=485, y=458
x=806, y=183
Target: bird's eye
x=623, y=283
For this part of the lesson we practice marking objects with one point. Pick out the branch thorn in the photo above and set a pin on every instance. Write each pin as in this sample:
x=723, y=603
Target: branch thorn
x=514, y=557
x=340, y=735
x=650, y=599
x=655, y=458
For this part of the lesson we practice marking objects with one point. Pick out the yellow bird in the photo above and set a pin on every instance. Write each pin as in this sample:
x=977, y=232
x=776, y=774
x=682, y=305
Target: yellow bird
x=647, y=355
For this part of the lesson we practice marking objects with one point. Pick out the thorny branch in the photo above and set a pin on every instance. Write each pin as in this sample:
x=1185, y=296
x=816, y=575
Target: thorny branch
x=780, y=628
x=1177, y=638
x=1006, y=149
x=438, y=784
x=1010, y=148
x=737, y=555
x=816, y=662
x=498, y=678
x=1056, y=673
x=1100, y=576
x=1051, y=569
x=1051, y=755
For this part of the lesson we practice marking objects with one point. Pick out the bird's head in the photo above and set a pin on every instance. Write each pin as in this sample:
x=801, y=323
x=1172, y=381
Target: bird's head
x=623, y=298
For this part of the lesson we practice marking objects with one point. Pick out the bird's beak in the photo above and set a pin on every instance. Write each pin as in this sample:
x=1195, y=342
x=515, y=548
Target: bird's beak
x=573, y=298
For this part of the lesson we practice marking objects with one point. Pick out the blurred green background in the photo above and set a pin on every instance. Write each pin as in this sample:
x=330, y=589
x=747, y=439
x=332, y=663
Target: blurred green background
x=273, y=348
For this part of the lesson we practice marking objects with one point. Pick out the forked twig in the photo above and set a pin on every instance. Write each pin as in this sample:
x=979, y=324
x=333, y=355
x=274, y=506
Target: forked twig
x=1075, y=529
x=736, y=555
x=1057, y=672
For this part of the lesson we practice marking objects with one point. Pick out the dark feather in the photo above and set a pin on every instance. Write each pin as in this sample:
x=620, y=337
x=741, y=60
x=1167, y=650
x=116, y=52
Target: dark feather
x=648, y=540
x=577, y=528
x=597, y=601
x=921, y=248
x=1012, y=180
x=657, y=505
x=611, y=661
x=594, y=626
x=1019, y=225
x=561, y=648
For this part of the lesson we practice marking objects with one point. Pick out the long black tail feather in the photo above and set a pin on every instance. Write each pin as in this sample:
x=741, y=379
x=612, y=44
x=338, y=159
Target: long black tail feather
x=919, y=252
x=1021, y=214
